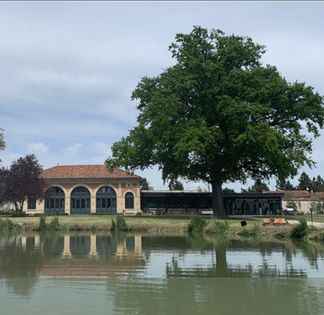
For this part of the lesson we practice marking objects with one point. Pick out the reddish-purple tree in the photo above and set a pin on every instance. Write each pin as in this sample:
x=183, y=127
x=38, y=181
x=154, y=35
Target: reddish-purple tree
x=21, y=180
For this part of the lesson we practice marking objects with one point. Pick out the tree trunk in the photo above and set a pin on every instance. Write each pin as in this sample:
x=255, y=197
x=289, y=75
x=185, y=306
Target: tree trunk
x=16, y=206
x=218, y=204
x=21, y=206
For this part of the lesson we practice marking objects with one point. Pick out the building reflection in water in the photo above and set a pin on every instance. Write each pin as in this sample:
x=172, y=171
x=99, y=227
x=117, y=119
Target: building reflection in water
x=23, y=259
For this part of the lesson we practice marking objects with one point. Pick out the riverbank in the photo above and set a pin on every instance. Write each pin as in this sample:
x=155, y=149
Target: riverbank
x=161, y=225
x=104, y=223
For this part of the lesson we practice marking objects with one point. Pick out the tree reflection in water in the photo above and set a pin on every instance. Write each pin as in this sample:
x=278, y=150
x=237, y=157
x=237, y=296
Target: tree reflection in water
x=198, y=270
x=20, y=262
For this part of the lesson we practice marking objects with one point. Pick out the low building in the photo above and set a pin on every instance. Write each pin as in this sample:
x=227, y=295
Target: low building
x=303, y=201
x=189, y=202
x=86, y=189
x=91, y=189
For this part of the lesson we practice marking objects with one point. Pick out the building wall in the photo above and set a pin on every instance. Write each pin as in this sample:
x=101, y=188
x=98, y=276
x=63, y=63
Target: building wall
x=302, y=205
x=121, y=187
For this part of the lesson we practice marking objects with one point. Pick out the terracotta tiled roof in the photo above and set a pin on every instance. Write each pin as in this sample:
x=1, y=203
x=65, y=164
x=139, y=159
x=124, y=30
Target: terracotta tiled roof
x=85, y=171
x=303, y=194
x=279, y=192
x=319, y=195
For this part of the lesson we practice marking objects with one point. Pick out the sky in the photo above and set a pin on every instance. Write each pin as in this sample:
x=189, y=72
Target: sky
x=67, y=69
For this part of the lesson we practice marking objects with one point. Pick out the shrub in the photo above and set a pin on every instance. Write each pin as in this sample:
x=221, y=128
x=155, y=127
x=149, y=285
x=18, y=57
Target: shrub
x=254, y=231
x=121, y=223
x=218, y=227
x=54, y=225
x=76, y=228
x=301, y=230
x=196, y=224
x=113, y=226
x=7, y=225
x=17, y=214
x=321, y=237
x=42, y=223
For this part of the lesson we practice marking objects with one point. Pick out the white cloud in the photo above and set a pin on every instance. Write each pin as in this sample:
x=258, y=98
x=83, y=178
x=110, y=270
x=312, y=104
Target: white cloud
x=37, y=148
x=73, y=149
x=65, y=87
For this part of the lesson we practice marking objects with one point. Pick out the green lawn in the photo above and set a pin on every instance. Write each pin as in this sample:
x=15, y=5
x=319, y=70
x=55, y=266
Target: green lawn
x=158, y=223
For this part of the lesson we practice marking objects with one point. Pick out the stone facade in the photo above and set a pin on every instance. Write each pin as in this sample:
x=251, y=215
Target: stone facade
x=92, y=178
x=303, y=200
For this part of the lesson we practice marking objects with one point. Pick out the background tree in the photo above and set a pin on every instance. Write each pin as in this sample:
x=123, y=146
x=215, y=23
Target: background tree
x=258, y=186
x=2, y=142
x=3, y=177
x=284, y=185
x=145, y=185
x=305, y=183
x=317, y=184
x=21, y=180
x=218, y=115
x=175, y=185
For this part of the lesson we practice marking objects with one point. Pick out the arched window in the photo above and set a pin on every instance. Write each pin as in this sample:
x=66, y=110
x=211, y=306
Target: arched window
x=54, y=201
x=106, y=200
x=129, y=201
x=80, y=200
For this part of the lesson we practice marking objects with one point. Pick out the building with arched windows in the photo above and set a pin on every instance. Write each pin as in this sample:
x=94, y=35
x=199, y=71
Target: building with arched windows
x=87, y=189
x=91, y=189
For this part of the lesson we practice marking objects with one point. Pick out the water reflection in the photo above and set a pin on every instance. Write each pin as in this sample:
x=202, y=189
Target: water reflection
x=165, y=262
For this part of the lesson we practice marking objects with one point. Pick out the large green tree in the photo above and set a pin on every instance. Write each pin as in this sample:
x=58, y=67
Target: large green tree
x=219, y=115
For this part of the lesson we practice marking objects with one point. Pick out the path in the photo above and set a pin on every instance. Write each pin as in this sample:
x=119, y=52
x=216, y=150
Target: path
x=316, y=224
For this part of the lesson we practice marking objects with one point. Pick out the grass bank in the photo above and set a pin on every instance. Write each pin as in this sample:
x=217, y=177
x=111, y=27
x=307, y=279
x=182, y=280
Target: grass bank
x=152, y=224
x=104, y=223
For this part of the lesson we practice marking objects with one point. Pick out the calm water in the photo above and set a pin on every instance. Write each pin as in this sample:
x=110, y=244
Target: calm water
x=134, y=274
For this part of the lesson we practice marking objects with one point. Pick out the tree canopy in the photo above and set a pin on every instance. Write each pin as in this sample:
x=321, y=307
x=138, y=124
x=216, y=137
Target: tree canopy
x=145, y=185
x=219, y=115
x=175, y=185
x=305, y=183
x=21, y=180
x=258, y=186
x=284, y=184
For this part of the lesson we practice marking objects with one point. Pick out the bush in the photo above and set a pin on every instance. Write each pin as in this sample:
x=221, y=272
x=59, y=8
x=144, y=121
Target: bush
x=254, y=231
x=54, y=225
x=301, y=230
x=121, y=223
x=218, y=227
x=7, y=225
x=196, y=224
x=42, y=224
x=321, y=237
x=18, y=214
x=113, y=226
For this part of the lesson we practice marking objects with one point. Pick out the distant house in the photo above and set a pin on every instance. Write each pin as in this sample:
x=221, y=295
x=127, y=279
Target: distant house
x=302, y=200
x=85, y=189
